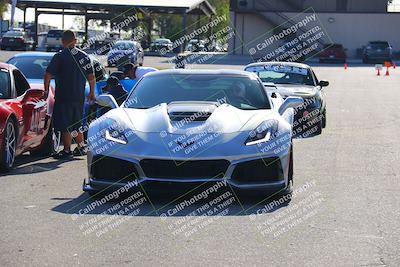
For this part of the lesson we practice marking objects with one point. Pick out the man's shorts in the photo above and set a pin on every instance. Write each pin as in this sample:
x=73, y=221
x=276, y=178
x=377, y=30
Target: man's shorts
x=67, y=116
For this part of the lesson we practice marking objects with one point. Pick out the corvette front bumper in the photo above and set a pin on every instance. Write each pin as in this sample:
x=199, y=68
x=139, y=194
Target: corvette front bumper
x=265, y=174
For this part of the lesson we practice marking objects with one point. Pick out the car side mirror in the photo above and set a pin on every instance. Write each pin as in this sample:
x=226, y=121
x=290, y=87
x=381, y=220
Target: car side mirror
x=290, y=102
x=106, y=100
x=32, y=93
x=323, y=83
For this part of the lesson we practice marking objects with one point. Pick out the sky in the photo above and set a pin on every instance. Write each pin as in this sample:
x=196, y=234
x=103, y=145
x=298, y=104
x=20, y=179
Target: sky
x=53, y=20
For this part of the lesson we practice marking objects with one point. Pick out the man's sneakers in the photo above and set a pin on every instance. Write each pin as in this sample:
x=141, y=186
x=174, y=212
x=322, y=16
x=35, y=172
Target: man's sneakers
x=64, y=155
x=80, y=151
x=67, y=155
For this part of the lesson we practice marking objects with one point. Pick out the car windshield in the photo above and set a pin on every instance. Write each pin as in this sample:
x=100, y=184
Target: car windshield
x=279, y=74
x=54, y=34
x=163, y=41
x=379, y=45
x=14, y=34
x=5, y=84
x=241, y=92
x=123, y=46
x=333, y=46
x=31, y=67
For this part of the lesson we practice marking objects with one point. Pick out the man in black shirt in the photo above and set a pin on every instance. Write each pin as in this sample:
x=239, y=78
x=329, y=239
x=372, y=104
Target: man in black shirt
x=71, y=68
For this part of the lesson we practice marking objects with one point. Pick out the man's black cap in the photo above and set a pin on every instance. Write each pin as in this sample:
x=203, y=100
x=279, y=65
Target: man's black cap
x=126, y=68
x=111, y=82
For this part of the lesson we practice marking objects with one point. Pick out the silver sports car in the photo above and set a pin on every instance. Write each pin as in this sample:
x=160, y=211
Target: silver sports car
x=189, y=127
x=296, y=79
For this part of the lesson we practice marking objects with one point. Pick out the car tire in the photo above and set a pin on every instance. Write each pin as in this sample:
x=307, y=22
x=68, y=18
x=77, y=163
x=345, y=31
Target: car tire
x=8, y=152
x=324, y=120
x=319, y=128
x=50, y=145
x=289, y=189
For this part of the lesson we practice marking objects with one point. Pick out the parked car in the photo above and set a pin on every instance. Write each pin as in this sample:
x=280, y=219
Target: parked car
x=124, y=52
x=378, y=51
x=161, y=45
x=53, y=41
x=196, y=45
x=104, y=46
x=192, y=127
x=16, y=40
x=25, y=117
x=33, y=65
x=333, y=53
x=296, y=79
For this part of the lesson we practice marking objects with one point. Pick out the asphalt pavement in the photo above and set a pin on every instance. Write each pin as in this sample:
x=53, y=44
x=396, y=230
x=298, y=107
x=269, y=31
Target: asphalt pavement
x=346, y=209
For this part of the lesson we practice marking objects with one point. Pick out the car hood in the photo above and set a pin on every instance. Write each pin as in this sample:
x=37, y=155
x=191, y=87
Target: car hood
x=293, y=90
x=219, y=119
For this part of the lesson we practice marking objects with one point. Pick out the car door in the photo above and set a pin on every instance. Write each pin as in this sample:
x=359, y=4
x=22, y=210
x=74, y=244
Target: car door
x=34, y=112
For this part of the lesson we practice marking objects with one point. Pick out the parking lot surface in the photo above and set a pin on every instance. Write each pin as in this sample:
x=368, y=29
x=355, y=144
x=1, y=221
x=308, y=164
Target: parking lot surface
x=348, y=212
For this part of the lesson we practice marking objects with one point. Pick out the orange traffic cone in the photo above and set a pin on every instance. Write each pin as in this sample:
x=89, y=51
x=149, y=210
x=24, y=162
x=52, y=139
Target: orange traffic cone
x=345, y=66
x=394, y=65
x=379, y=73
x=387, y=71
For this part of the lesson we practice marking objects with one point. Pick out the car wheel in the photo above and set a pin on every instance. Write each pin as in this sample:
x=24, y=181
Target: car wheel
x=51, y=144
x=9, y=146
x=324, y=119
x=319, y=127
x=289, y=189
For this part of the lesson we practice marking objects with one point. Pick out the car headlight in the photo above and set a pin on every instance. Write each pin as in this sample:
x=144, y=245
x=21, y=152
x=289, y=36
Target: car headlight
x=114, y=131
x=313, y=103
x=265, y=132
x=116, y=135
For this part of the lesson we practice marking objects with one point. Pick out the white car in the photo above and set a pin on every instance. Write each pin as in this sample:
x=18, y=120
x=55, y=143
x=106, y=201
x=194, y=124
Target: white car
x=299, y=80
x=188, y=127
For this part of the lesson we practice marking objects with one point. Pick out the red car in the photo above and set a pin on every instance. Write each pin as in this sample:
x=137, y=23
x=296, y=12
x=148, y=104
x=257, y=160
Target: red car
x=25, y=117
x=333, y=53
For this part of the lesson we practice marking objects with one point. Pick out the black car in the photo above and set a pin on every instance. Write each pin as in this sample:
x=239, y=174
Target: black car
x=378, y=51
x=161, y=45
x=16, y=40
x=124, y=52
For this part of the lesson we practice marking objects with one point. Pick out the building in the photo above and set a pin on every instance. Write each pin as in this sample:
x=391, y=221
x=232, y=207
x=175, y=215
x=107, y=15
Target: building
x=349, y=22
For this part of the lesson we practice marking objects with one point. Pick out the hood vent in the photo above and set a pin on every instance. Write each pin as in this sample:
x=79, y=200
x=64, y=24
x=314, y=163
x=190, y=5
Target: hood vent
x=191, y=111
x=189, y=116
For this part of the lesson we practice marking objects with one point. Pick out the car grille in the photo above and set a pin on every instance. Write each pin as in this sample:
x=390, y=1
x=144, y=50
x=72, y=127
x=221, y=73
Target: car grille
x=260, y=170
x=193, y=169
x=113, y=169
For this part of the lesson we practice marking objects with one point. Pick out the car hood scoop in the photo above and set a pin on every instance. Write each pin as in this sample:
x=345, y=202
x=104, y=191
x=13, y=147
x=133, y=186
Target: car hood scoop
x=191, y=111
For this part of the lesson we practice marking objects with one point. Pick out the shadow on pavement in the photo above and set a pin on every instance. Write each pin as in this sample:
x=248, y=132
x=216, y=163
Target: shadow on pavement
x=27, y=164
x=139, y=203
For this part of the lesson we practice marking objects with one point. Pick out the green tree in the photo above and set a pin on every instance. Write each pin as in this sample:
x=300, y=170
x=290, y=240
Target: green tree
x=3, y=7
